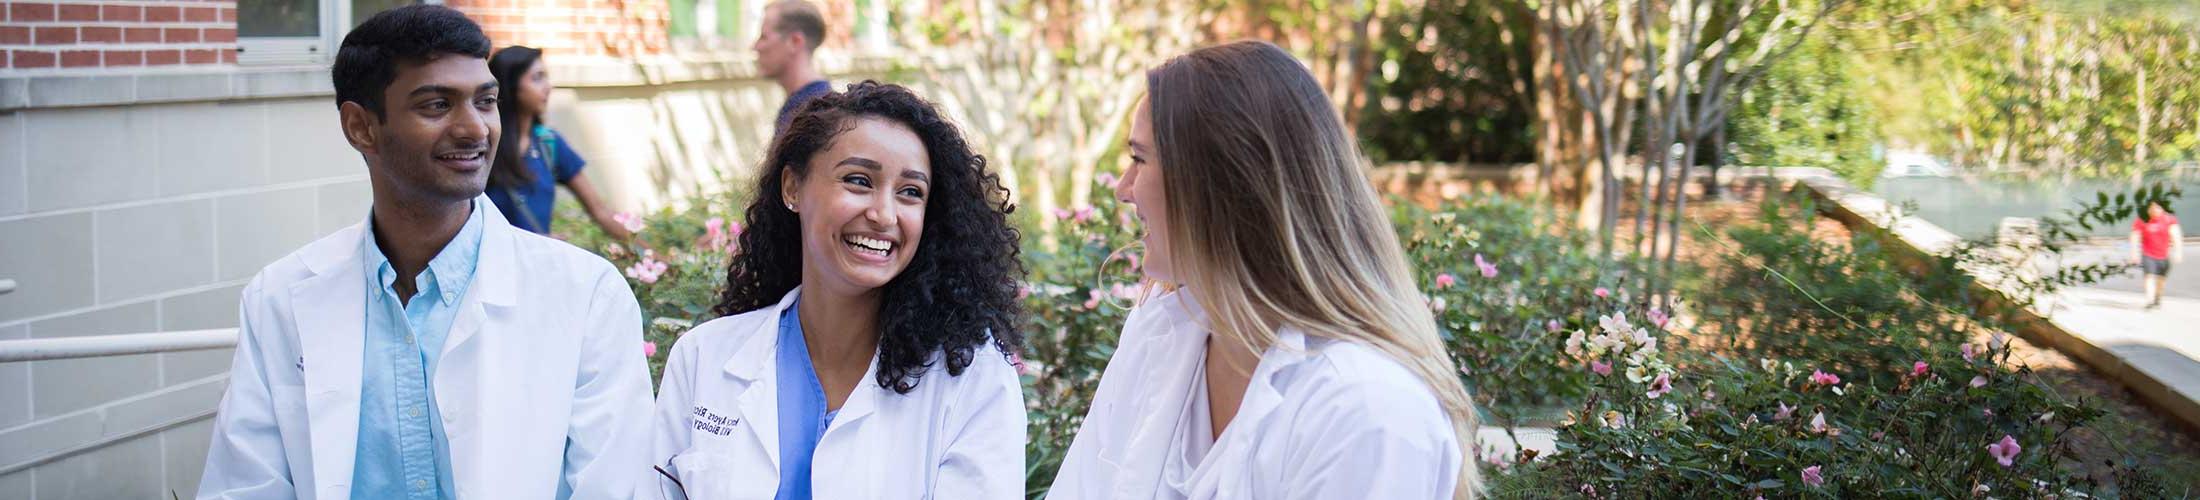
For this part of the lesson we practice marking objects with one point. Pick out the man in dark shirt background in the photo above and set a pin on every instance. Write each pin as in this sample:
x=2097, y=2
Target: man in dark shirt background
x=789, y=37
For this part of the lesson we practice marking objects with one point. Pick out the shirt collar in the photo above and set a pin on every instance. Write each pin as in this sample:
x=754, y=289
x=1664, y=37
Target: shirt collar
x=447, y=274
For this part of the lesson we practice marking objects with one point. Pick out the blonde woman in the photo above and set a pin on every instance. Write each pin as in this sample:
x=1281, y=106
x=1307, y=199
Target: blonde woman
x=1294, y=357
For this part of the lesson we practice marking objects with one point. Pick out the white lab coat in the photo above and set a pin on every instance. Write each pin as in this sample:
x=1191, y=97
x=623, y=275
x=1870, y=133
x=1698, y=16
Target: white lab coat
x=542, y=384
x=952, y=438
x=1321, y=419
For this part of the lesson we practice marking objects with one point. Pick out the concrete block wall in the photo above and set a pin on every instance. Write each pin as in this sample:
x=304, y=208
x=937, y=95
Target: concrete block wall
x=145, y=218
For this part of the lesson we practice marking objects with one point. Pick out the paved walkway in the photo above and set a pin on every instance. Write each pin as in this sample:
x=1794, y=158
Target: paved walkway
x=2154, y=353
x=2162, y=344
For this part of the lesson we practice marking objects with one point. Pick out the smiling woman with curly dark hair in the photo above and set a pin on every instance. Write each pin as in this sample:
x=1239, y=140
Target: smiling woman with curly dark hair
x=867, y=321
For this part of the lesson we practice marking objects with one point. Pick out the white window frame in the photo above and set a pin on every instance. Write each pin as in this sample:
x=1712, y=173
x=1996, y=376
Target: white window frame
x=297, y=50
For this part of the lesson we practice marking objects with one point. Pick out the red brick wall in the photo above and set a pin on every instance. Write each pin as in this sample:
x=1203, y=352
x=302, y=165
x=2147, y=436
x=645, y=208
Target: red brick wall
x=86, y=34
x=616, y=28
x=116, y=33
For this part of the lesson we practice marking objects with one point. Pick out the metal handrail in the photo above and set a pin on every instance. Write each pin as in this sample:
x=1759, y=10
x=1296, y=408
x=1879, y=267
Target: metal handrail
x=95, y=346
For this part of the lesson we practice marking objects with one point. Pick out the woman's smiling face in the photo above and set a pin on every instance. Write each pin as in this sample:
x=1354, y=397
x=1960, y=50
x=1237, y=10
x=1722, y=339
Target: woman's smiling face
x=861, y=206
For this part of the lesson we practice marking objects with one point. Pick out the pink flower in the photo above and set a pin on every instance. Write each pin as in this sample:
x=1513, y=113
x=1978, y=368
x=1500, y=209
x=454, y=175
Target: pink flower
x=1602, y=293
x=718, y=235
x=649, y=349
x=1488, y=270
x=1918, y=370
x=632, y=223
x=1663, y=384
x=1094, y=301
x=1063, y=213
x=1600, y=368
x=1818, y=423
x=1552, y=326
x=648, y=269
x=1978, y=381
x=1968, y=352
x=1823, y=378
x=1785, y=412
x=2004, y=452
x=1017, y=360
x=1658, y=317
x=1124, y=292
x=1105, y=179
x=1445, y=280
x=1023, y=291
x=1814, y=476
x=1081, y=214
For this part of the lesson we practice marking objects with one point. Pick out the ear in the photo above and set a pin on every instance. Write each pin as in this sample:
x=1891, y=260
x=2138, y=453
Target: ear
x=359, y=127
x=790, y=185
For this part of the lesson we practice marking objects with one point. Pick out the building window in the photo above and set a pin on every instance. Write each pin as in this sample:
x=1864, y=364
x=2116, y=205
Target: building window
x=707, y=19
x=277, y=32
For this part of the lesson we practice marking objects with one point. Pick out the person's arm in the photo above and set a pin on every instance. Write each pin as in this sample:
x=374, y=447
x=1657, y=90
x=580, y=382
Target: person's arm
x=2177, y=244
x=1361, y=443
x=2135, y=243
x=607, y=436
x=245, y=459
x=985, y=457
x=675, y=396
x=598, y=211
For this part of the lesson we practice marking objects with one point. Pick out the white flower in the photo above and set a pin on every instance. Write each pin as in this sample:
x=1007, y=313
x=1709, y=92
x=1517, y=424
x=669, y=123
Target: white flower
x=1608, y=343
x=1573, y=344
x=1614, y=324
x=1637, y=374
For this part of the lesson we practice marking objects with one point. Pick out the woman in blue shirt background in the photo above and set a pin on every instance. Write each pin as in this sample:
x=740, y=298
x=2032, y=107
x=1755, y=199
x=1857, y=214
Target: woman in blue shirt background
x=531, y=158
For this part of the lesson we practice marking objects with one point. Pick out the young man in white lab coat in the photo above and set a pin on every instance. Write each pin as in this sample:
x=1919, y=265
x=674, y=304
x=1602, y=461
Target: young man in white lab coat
x=432, y=351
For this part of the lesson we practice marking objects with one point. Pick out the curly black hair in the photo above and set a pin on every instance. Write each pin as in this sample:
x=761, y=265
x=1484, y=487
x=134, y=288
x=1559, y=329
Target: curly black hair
x=960, y=287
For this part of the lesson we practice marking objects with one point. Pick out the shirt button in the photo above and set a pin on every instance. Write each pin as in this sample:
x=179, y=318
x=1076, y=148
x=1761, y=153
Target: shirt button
x=408, y=339
x=421, y=484
x=415, y=411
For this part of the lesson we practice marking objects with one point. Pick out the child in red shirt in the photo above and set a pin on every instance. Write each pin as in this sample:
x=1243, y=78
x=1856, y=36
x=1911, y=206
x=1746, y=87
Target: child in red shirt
x=2156, y=241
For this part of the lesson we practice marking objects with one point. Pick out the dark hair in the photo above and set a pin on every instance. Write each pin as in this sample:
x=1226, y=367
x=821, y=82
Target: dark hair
x=367, y=61
x=961, y=284
x=800, y=16
x=510, y=67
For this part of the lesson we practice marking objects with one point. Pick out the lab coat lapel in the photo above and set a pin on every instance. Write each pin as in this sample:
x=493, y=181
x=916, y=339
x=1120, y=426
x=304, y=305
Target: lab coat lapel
x=488, y=301
x=1175, y=335
x=329, y=320
x=757, y=365
x=842, y=446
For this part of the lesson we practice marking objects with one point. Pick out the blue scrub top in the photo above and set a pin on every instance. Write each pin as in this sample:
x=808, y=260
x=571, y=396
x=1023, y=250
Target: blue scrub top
x=802, y=414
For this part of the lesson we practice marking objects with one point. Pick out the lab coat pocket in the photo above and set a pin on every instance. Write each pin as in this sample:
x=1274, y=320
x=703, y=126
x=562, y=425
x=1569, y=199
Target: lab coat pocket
x=707, y=475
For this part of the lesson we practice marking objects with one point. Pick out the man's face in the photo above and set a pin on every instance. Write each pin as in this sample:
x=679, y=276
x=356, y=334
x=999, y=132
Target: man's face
x=439, y=131
x=774, y=49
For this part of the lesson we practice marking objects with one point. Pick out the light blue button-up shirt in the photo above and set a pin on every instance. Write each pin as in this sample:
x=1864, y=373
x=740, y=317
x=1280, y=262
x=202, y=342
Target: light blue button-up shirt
x=402, y=452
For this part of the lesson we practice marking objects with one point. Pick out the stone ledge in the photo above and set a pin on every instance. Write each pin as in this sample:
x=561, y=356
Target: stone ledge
x=118, y=88
x=1915, y=242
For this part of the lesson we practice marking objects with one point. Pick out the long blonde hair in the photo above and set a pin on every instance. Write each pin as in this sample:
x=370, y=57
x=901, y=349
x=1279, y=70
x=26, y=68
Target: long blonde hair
x=1272, y=221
